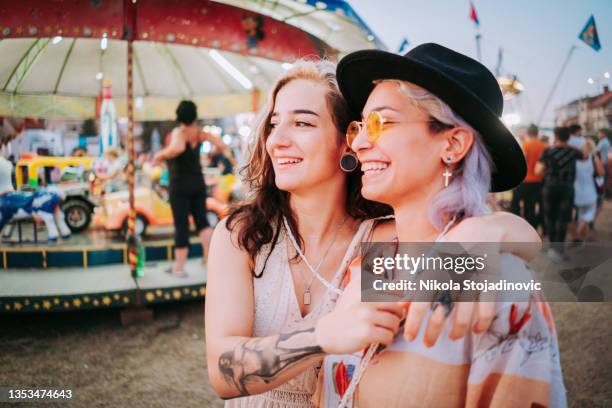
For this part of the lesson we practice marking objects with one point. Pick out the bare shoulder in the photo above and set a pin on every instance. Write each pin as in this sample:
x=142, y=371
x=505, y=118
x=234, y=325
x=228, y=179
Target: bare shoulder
x=178, y=133
x=384, y=231
x=515, y=228
x=205, y=136
x=225, y=248
x=227, y=236
x=499, y=226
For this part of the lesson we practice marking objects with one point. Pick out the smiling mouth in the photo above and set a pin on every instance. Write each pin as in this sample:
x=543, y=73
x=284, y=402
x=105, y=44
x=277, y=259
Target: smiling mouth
x=373, y=168
x=284, y=162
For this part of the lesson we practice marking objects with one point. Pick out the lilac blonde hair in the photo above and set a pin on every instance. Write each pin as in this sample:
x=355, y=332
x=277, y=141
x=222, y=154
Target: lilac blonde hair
x=467, y=191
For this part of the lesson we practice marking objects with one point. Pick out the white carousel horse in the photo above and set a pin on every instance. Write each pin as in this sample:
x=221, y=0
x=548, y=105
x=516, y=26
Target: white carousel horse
x=44, y=204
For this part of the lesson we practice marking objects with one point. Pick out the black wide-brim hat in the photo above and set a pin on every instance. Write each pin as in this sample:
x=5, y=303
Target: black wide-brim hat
x=464, y=84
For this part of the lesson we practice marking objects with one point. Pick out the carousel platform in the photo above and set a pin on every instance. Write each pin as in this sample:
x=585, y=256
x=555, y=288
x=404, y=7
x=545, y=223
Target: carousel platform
x=90, y=271
x=67, y=289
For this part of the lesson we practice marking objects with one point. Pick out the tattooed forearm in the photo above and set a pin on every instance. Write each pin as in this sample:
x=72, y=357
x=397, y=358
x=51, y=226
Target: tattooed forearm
x=263, y=359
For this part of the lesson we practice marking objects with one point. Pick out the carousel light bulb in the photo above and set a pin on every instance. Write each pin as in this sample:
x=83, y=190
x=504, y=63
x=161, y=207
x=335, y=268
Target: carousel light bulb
x=56, y=40
x=244, y=131
x=607, y=75
x=370, y=37
x=590, y=81
x=103, y=42
x=99, y=76
x=227, y=139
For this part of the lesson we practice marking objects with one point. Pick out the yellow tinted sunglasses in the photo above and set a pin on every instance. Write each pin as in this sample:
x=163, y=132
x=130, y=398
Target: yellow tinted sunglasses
x=374, y=125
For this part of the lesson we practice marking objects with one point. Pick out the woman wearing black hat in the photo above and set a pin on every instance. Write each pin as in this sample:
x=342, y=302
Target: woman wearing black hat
x=431, y=145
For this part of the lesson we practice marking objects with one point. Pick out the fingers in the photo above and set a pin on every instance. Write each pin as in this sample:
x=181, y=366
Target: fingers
x=463, y=314
x=386, y=320
x=380, y=335
x=395, y=308
x=416, y=312
x=484, y=316
x=435, y=325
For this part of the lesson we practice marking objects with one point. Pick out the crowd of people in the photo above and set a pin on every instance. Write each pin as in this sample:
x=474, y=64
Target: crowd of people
x=565, y=186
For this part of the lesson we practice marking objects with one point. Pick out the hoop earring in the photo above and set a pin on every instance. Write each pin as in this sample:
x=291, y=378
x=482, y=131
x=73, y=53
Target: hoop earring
x=447, y=173
x=349, y=162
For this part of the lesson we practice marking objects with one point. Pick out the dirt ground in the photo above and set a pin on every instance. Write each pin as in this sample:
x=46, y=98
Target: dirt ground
x=162, y=364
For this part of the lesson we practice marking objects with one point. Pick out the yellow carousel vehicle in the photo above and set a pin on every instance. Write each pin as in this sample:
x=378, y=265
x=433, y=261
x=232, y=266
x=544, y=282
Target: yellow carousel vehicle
x=153, y=208
x=33, y=170
x=30, y=165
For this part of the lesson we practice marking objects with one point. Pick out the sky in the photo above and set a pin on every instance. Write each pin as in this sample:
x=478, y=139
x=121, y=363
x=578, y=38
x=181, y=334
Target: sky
x=535, y=36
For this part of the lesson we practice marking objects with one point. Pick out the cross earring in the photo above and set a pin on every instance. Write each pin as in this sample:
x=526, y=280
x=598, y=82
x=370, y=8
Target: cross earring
x=447, y=174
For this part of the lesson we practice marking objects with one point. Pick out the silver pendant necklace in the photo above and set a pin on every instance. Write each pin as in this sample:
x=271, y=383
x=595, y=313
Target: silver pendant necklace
x=315, y=271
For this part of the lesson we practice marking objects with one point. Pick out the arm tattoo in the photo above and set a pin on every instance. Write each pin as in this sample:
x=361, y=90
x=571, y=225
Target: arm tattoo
x=262, y=359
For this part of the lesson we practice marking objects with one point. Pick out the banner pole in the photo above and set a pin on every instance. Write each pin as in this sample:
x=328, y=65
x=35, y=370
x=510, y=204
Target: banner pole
x=555, y=84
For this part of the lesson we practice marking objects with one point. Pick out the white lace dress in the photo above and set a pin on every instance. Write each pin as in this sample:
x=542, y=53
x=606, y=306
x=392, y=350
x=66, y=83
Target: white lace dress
x=277, y=311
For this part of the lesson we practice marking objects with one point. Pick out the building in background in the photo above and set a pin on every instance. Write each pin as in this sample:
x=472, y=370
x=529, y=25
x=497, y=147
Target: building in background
x=591, y=112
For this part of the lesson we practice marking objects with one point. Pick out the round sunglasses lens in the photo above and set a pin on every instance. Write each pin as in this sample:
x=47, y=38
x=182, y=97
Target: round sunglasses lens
x=374, y=125
x=351, y=132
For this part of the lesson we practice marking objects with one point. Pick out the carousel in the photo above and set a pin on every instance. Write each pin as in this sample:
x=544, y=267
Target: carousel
x=64, y=61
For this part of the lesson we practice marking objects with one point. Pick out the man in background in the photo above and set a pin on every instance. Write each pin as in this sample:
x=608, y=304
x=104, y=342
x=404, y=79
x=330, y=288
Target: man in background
x=529, y=193
x=558, y=166
x=575, y=139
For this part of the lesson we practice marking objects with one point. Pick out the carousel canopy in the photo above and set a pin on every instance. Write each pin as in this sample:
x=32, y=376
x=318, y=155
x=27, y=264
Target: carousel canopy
x=223, y=55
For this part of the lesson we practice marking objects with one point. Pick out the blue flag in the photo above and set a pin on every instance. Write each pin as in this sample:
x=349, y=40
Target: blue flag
x=403, y=46
x=589, y=35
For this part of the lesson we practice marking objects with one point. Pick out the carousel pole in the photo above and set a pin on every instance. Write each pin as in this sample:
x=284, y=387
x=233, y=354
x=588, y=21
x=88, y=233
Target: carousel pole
x=134, y=245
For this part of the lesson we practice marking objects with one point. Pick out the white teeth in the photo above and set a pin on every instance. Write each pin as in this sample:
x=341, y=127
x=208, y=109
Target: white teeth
x=374, y=166
x=288, y=160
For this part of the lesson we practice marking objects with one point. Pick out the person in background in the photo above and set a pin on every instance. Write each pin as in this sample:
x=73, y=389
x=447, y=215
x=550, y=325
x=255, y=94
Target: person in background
x=78, y=151
x=12, y=160
x=187, y=189
x=586, y=194
x=575, y=139
x=222, y=160
x=603, y=145
x=558, y=166
x=529, y=192
x=110, y=169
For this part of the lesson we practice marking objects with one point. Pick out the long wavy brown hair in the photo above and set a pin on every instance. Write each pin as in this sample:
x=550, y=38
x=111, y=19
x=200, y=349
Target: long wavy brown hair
x=258, y=220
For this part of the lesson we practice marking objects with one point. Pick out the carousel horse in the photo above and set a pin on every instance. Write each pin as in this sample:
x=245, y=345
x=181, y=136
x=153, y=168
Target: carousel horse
x=44, y=204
